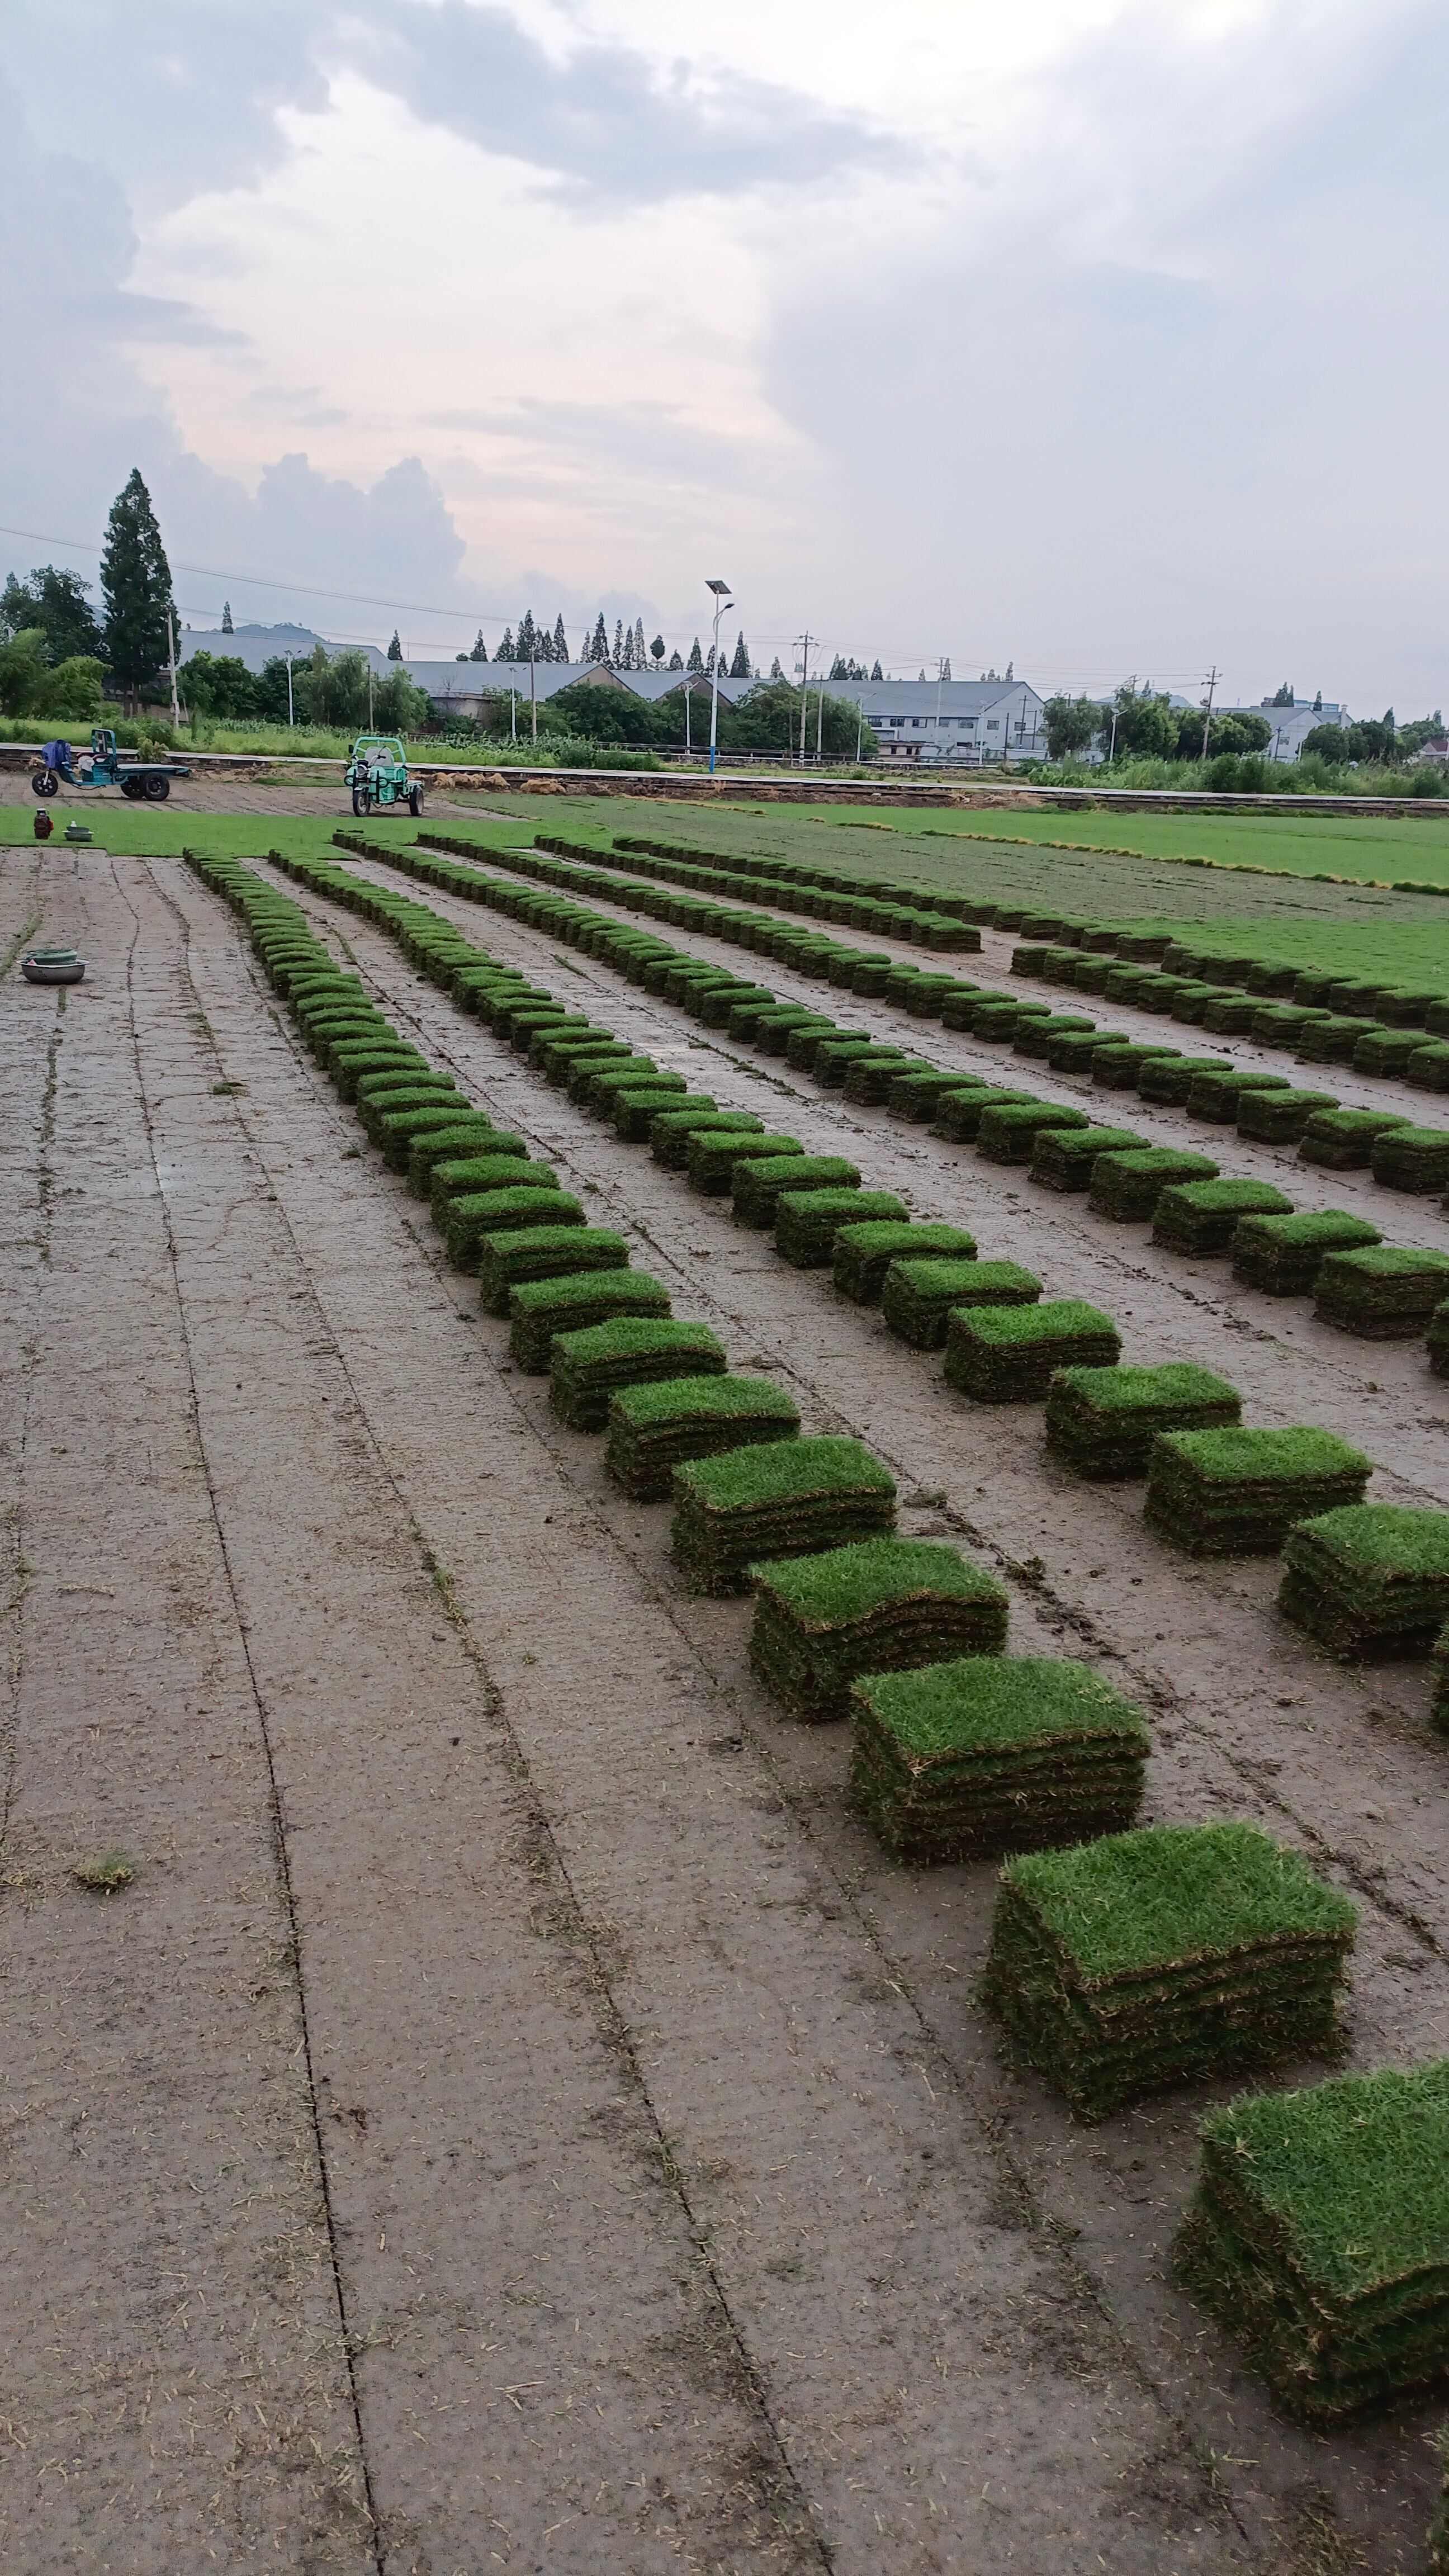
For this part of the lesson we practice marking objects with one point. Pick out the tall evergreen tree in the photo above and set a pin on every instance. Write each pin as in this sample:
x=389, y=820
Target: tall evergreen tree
x=837, y=670
x=617, y=656
x=775, y=671
x=740, y=666
x=597, y=649
x=526, y=649
x=676, y=660
x=394, y=650
x=505, y=650
x=560, y=639
x=227, y=627
x=641, y=649
x=136, y=588
x=946, y=669
x=480, y=649
x=695, y=661
x=876, y=672
x=658, y=649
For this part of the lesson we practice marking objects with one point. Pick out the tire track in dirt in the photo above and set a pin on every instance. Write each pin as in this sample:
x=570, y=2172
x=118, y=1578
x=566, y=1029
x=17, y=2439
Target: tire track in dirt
x=1104, y=2192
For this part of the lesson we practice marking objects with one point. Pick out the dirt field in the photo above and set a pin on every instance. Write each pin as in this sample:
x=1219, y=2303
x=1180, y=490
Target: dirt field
x=514, y=2116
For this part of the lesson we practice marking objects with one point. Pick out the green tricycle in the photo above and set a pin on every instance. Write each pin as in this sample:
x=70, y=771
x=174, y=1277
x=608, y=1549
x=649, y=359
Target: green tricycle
x=377, y=773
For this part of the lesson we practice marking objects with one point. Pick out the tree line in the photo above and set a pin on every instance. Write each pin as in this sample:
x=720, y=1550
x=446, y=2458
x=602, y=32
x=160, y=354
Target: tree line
x=1143, y=724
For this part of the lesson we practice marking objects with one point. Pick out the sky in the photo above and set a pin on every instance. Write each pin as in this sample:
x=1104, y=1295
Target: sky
x=1105, y=337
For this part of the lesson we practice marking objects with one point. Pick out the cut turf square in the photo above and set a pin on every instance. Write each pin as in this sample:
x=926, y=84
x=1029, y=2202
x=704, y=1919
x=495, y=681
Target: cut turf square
x=864, y=1253
x=1239, y=1492
x=1008, y=1354
x=1279, y=1117
x=808, y=1221
x=986, y=1754
x=760, y=1180
x=1168, y=1079
x=959, y=1113
x=1128, y=1186
x=790, y=1499
x=506, y=1261
x=568, y=1302
x=1120, y=1068
x=1165, y=1956
x=1387, y=1292
x=1062, y=1157
x=1199, y=1217
x=475, y=1215
x=1215, y=1092
x=1284, y=1254
x=1007, y=1129
x=1412, y=1158
x=1318, y=2237
x=714, y=1152
x=1372, y=1579
x=462, y=1175
x=588, y=1367
x=1341, y=1140
x=672, y=1132
x=883, y=1605
x=1103, y=1421
x=920, y=1296
x=466, y=1137
x=654, y=1428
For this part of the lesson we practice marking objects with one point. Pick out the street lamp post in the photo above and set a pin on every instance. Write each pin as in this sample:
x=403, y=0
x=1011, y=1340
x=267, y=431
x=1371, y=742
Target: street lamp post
x=291, y=719
x=722, y=601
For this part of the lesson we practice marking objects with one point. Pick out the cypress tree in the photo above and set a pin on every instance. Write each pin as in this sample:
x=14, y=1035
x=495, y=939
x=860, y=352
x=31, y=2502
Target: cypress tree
x=394, y=650
x=527, y=647
x=505, y=650
x=641, y=649
x=696, y=658
x=775, y=671
x=740, y=666
x=676, y=660
x=876, y=672
x=560, y=640
x=617, y=656
x=598, y=642
x=227, y=627
x=480, y=649
x=136, y=588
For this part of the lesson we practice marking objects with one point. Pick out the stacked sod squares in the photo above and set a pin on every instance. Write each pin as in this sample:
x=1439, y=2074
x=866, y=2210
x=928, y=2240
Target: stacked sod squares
x=985, y=1754
x=1341, y=1140
x=1008, y=1354
x=919, y=1297
x=1412, y=1158
x=571, y=1301
x=1387, y=1292
x=509, y=1259
x=657, y=1427
x=1318, y=2237
x=1284, y=1254
x=1164, y=1956
x=808, y=1221
x=792, y=1498
x=587, y=1368
x=882, y=1605
x=1238, y=1492
x=1062, y=1157
x=1200, y=1217
x=761, y=1180
x=1370, y=1579
x=1128, y=1186
x=864, y=1253
x=1102, y=1421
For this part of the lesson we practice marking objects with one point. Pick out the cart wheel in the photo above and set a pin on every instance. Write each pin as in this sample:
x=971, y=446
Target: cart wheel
x=132, y=787
x=359, y=801
x=415, y=801
x=44, y=782
x=156, y=789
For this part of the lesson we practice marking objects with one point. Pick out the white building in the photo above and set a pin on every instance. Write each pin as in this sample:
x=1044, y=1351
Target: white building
x=1291, y=724
x=965, y=722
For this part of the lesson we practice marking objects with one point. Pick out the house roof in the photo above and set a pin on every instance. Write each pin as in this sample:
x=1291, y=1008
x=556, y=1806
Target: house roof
x=879, y=698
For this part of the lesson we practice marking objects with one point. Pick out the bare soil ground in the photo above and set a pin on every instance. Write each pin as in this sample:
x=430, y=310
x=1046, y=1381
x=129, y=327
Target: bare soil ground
x=514, y=2116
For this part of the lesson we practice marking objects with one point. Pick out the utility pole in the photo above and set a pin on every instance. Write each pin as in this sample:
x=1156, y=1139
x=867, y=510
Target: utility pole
x=820, y=726
x=804, y=643
x=512, y=712
x=369, y=697
x=171, y=640
x=291, y=719
x=1207, y=713
x=533, y=694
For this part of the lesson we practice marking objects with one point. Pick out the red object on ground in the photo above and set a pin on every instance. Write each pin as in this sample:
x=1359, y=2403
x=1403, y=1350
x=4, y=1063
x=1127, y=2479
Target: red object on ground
x=43, y=825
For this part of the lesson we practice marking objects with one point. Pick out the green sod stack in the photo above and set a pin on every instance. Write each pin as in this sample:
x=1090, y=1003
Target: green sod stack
x=1166, y=1956
x=476, y=1214
x=1369, y=1580
x=570, y=1302
x=1386, y=1293
x=714, y=1152
x=760, y=1181
x=1103, y=1421
x=1412, y=1158
x=1284, y=1254
x=1239, y=1492
x=1007, y=1129
x=808, y=1221
x=466, y=1140
x=791, y=1499
x=506, y=1261
x=1439, y=2536
x=1167, y=1080
x=1279, y=1117
x=460, y=1176
x=1441, y=1681
x=964, y=1760
x=1215, y=1093
x=1008, y=1354
x=587, y=1368
x=1128, y=1186
x=884, y=1606
x=1341, y=1140
x=959, y=1113
x=1199, y=1217
x=636, y=1108
x=673, y=1130
x=1062, y=1157
x=1438, y=1340
x=1318, y=2237
x=655, y=1428
x=1120, y=1068
x=864, y=1253
x=919, y=1297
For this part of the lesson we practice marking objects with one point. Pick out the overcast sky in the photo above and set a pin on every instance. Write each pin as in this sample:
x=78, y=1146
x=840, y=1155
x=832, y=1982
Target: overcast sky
x=1107, y=338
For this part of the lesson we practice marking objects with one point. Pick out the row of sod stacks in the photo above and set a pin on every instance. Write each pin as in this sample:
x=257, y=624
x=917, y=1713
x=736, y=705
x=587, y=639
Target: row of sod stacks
x=1102, y=1421
x=1370, y=1579
x=918, y=1298
x=589, y=1368
x=1008, y=1354
x=1386, y=1292
x=1318, y=2237
x=864, y=1254
x=1284, y=1254
x=1169, y=1955
x=1238, y=1492
x=792, y=1498
x=963, y=1760
x=655, y=1428
x=880, y=1606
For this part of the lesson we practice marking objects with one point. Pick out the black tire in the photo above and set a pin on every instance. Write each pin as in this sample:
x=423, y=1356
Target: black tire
x=131, y=787
x=415, y=802
x=359, y=801
x=156, y=788
x=44, y=782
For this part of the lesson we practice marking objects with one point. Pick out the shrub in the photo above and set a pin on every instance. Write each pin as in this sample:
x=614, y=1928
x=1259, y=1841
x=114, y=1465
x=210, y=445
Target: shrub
x=1103, y=1421
x=655, y=1428
x=1164, y=1956
x=790, y=1499
x=1007, y=1354
x=881, y=1606
x=1239, y=1492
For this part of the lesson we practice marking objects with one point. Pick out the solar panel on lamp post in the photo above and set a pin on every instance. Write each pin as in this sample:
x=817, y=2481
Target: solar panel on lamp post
x=722, y=601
